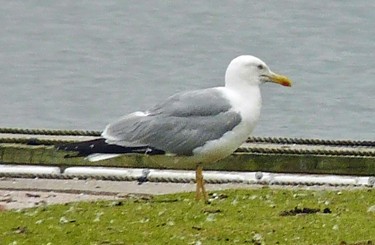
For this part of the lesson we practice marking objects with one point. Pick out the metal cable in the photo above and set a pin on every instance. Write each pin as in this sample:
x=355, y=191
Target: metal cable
x=34, y=141
x=336, y=152
x=49, y=132
x=176, y=180
x=250, y=139
x=261, y=150
x=309, y=141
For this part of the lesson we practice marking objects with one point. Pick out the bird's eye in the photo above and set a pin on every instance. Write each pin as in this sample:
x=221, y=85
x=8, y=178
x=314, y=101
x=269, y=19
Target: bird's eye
x=260, y=67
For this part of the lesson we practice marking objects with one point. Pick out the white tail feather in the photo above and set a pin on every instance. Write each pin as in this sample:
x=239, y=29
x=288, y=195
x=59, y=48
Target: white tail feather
x=100, y=156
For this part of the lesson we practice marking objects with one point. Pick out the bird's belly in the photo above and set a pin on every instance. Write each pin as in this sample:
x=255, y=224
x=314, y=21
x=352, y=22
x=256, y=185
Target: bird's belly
x=248, y=103
x=215, y=150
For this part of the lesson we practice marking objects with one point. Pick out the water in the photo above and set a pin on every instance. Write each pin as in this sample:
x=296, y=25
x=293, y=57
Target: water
x=81, y=64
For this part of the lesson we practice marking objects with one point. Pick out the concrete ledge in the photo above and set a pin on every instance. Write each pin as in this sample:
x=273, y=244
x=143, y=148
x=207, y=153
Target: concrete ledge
x=132, y=174
x=41, y=155
x=181, y=176
x=36, y=170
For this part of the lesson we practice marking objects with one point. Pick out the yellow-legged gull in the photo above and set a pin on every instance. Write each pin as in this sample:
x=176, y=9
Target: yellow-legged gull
x=206, y=125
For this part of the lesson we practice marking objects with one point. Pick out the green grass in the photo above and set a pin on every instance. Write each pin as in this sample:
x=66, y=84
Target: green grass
x=236, y=217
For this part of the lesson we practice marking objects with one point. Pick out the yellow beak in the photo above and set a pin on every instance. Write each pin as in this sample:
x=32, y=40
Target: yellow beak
x=276, y=78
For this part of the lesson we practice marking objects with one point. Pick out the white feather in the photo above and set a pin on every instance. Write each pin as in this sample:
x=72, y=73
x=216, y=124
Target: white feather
x=100, y=156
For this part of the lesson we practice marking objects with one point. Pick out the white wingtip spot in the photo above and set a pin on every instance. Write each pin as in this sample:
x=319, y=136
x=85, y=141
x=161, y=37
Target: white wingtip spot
x=141, y=113
x=100, y=156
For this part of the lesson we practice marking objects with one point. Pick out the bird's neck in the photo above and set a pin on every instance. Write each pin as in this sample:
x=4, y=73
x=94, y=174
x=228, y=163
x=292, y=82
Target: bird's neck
x=243, y=88
x=247, y=99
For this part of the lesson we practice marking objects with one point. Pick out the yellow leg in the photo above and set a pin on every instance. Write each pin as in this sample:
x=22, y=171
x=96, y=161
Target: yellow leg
x=198, y=177
x=200, y=185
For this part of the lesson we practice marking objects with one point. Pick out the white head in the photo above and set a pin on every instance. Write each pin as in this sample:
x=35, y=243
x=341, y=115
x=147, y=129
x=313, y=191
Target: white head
x=251, y=71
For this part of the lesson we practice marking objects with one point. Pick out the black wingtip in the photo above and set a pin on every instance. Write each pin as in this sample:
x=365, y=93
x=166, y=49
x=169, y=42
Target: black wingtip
x=100, y=145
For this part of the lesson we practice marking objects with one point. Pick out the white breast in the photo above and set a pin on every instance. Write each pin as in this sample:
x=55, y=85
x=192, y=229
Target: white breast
x=246, y=102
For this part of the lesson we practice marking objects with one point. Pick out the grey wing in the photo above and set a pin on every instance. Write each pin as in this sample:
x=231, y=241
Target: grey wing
x=178, y=125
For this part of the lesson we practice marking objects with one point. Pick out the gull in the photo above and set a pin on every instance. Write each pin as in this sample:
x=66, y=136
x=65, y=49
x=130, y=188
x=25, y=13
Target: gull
x=203, y=125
